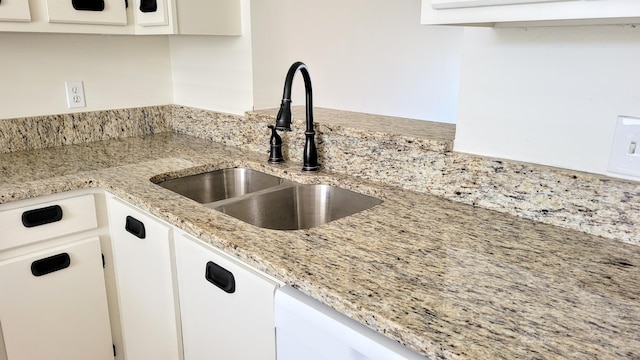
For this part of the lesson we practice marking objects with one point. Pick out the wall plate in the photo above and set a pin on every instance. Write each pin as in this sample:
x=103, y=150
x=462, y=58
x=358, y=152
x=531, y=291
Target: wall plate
x=625, y=150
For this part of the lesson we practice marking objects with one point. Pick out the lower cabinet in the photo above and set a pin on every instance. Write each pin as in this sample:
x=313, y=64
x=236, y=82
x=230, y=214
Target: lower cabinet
x=54, y=304
x=226, y=307
x=92, y=275
x=144, y=281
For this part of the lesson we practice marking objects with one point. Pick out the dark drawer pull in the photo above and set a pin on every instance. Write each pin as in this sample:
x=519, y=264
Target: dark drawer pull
x=88, y=5
x=136, y=227
x=50, y=264
x=41, y=216
x=147, y=6
x=220, y=277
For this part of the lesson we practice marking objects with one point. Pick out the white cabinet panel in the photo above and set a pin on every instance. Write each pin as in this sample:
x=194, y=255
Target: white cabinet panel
x=147, y=16
x=217, y=324
x=144, y=279
x=529, y=12
x=15, y=10
x=63, y=11
x=61, y=314
x=47, y=220
x=190, y=17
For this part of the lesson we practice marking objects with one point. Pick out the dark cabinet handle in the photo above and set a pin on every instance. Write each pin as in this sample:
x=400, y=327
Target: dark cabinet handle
x=42, y=216
x=88, y=5
x=135, y=227
x=50, y=264
x=220, y=277
x=147, y=6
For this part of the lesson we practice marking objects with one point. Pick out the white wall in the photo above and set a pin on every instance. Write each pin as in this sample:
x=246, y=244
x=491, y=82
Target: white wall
x=547, y=95
x=363, y=55
x=118, y=72
x=214, y=72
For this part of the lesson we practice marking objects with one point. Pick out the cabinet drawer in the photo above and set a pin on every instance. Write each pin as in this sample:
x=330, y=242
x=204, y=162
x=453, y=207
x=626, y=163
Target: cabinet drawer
x=29, y=224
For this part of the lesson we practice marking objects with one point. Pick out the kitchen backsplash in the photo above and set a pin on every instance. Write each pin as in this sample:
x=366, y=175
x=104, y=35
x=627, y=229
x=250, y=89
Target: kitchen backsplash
x=56, y=130
x=411, y=154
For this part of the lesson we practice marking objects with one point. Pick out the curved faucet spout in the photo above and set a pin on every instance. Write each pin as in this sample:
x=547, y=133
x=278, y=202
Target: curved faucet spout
x=283, y=119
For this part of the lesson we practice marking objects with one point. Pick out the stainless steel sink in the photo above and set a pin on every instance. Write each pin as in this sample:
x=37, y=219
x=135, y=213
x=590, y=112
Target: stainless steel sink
x=221, y=184
x=298, y=207
x=268, y=201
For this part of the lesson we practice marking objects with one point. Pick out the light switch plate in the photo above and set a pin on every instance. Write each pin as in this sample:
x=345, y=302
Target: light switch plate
x=75, y=94
x=625, y=150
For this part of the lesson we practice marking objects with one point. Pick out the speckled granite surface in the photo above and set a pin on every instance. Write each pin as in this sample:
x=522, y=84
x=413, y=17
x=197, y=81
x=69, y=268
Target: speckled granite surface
x=447, y=279
x=57, y=130
x=416, y=155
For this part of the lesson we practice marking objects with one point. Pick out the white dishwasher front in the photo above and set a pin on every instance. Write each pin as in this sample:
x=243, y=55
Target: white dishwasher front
x=307, y=329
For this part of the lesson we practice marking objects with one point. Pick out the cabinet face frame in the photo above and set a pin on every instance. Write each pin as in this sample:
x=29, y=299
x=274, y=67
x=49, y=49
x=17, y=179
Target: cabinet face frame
x=15, y=10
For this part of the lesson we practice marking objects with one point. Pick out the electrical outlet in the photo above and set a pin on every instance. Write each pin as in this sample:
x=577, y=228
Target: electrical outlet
x=625, y=151
x=75, y=94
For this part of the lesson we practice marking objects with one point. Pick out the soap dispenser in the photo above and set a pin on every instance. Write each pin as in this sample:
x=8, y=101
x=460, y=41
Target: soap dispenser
x=275, y=155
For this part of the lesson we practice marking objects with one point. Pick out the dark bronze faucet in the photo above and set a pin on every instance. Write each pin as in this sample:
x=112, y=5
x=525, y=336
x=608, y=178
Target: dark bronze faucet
x=283, y=120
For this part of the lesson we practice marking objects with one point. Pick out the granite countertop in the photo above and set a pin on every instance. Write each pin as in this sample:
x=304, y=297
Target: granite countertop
x=446, y=279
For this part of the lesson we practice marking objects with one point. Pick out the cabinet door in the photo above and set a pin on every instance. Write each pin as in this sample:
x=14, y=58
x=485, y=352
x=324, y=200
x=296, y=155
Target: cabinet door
x=100, y=12
x=14, y=10
x=233, y=320
x=144, y=282
x=151, y=13
x=205, y=17
x=54, y=304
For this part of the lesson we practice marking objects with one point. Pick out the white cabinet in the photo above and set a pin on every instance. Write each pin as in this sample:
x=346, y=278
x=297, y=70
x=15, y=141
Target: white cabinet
x=226, y=307
x=187, y=17
x=529, y=12
x=144, y=279
x=54, y=304
x=71, y=307
x=15, y=10
x=99, y=12
x=153, y=14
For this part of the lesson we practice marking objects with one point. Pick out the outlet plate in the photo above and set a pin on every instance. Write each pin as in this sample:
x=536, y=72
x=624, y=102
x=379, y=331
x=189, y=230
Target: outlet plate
x=625, y=150
x=75, y=94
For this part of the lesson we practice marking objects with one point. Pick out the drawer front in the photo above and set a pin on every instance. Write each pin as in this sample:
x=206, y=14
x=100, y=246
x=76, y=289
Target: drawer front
x=29, y=224
x=112, y=12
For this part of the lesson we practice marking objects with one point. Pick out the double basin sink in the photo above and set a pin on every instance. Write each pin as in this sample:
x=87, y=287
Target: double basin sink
x=269, y=201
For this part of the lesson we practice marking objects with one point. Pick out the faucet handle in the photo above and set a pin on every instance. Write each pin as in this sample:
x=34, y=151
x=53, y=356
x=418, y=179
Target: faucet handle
x=275, y=154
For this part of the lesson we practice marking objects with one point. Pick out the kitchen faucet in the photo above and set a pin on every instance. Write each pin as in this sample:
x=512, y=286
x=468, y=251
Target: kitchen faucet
x=283, y=120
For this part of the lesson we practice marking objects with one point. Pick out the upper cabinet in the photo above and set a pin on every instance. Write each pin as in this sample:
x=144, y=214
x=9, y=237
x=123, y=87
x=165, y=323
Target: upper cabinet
x=15, y=10
x=529, y=12
x=189, y=17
